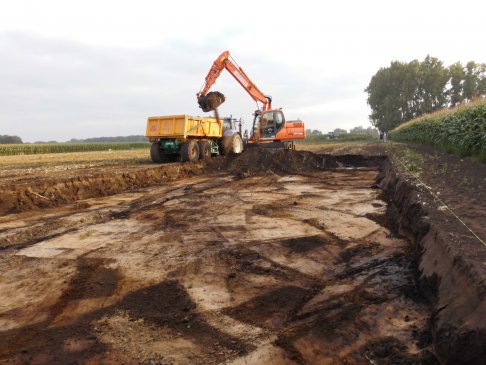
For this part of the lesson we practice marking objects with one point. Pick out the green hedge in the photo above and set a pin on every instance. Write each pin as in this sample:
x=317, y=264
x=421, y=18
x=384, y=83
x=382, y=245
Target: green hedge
x=324, y=138
x=460, y=130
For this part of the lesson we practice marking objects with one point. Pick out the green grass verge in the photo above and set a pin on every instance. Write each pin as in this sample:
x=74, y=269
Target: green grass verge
x=323, y=138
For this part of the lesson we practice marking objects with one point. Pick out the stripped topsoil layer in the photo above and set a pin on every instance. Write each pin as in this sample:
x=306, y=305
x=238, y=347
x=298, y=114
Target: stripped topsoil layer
x=306, y=313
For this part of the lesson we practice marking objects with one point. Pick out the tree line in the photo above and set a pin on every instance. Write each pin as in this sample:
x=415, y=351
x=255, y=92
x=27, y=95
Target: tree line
x=404, y=91
x=5, y=139
x=131, y=138
x=340, y=131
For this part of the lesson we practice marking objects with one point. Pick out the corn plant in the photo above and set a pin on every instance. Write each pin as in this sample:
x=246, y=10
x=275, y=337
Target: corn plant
x=32, y=149
x=461, y=130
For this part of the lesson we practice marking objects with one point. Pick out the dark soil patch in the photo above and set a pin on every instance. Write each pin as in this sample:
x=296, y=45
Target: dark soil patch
x=93, y=280
x=356, y=160
x=365, y=250
x=250, y=262
x=168, y=304
x=270, y=310
x=377, y=218
x=389, y=351
x=305, y=244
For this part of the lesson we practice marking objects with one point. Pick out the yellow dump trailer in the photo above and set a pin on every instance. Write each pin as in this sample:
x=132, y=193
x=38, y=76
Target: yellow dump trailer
x=183, y=127
x=188, y=138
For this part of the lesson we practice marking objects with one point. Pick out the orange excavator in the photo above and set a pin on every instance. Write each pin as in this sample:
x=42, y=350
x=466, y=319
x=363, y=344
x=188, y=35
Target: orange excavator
x=269, y=125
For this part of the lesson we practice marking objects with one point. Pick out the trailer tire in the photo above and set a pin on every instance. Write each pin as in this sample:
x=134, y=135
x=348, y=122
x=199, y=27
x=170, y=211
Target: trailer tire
x=232, y=144
x=155, y=153
x=190, y=151
x=204, y=150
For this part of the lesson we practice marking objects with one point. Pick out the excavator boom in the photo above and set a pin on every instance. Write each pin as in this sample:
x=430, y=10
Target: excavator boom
x=210, y=101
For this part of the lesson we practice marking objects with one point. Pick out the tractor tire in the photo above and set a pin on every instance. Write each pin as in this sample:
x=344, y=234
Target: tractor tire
x=155, y=153
x=190, y=151
x=232, y=144
x=204, y=150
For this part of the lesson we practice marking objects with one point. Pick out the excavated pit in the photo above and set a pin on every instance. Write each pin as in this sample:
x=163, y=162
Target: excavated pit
x=261, y=258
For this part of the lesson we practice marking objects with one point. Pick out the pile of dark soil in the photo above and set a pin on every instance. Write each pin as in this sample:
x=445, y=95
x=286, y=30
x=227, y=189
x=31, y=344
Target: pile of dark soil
x=211, y=101
x=259, y=161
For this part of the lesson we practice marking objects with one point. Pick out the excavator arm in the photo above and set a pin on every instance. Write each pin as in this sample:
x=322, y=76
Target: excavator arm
x=210, y=101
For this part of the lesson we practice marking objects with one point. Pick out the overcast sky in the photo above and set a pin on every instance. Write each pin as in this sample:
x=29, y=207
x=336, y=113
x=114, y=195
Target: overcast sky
x=79, y=69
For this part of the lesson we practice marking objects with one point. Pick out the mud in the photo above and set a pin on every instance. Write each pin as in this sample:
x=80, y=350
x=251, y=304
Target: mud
x=269, y=257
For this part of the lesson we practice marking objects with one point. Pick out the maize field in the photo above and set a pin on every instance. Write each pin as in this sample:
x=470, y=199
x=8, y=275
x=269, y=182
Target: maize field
x=461, y=130
x=34, y=149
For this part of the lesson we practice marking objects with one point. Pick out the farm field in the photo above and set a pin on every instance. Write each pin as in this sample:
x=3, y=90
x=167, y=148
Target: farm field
x=108, y=258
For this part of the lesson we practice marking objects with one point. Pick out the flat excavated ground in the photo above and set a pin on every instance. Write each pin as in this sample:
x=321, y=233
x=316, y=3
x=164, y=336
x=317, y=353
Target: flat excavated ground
x=213, y=269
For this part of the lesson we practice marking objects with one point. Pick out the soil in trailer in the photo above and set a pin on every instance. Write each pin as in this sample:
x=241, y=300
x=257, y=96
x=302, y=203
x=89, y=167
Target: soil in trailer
x=291, y=267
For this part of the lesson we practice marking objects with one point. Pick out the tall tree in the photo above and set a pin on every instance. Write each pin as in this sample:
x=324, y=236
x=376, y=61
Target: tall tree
x=474, y=80
x=433, y=78
x=456, y=76
x=384, y=97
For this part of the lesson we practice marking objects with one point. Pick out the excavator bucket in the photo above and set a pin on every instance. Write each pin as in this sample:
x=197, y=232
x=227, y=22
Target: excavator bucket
x=210, y=101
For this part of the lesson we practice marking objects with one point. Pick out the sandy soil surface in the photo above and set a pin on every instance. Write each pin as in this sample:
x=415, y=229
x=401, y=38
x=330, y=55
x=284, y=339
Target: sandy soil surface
x=280, y=261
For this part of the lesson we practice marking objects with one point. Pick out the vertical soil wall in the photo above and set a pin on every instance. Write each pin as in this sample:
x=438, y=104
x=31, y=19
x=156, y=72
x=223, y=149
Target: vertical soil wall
x=451, y=267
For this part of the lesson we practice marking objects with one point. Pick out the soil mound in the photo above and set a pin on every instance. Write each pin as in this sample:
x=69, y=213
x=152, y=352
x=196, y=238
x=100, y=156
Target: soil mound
x=258, y=161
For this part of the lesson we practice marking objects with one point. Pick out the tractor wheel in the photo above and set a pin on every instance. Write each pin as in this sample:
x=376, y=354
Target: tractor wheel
x=190, y=151
x=156, y=153
x=204, y=150
x=232, y=144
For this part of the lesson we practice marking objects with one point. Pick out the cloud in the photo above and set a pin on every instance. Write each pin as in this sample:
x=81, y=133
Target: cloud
x=57, y=89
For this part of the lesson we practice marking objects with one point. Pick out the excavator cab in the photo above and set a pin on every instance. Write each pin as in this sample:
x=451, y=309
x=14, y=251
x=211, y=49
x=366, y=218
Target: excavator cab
x=267, y=124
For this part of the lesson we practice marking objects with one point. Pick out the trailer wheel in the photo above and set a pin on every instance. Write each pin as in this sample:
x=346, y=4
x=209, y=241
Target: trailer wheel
x=155, y=153
x=232, y=144
x=190, y=151
x=204, y=150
